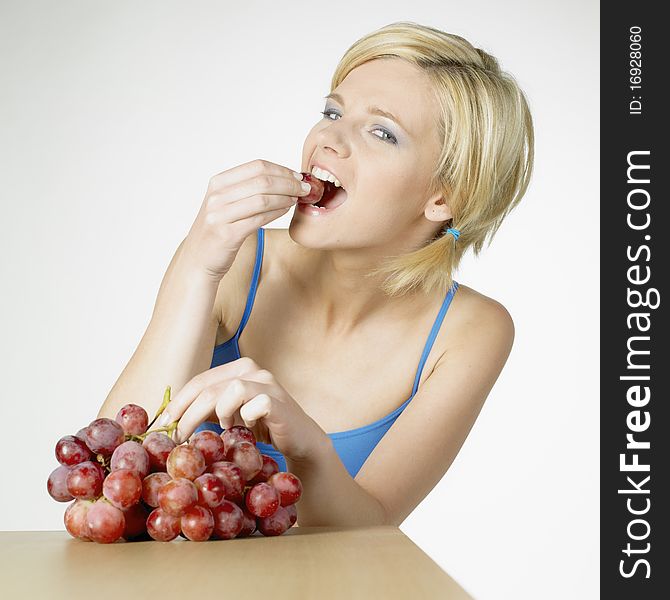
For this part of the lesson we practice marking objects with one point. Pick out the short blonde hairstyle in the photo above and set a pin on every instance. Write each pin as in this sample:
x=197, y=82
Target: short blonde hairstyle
x=486, y=159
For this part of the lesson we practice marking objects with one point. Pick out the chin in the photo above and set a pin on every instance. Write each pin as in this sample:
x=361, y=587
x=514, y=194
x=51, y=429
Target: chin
x=309, y=236
x=302, y=233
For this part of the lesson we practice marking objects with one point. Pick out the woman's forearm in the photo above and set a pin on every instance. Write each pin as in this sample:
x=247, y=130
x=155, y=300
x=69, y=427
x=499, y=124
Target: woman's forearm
x=177, y=344
x=331, y=497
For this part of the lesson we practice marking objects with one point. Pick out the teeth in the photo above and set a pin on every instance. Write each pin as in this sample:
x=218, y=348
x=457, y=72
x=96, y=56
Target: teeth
x=324, y=175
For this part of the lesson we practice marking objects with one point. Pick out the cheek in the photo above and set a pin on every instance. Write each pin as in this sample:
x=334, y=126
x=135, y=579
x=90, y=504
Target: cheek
x=390, y=201
x=388, y=186
x=383, y=202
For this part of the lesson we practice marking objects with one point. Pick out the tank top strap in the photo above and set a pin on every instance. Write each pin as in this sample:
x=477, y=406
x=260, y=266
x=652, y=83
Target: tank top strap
x=254, y=281
x=432, y=335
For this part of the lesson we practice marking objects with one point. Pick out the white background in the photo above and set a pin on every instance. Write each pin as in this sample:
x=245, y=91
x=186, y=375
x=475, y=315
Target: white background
x=113, y=118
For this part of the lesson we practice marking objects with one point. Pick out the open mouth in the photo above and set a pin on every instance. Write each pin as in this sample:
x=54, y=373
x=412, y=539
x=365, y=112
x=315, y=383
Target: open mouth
x=324, y=197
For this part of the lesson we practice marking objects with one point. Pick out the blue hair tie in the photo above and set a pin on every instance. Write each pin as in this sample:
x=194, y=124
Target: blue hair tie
x=453, y=231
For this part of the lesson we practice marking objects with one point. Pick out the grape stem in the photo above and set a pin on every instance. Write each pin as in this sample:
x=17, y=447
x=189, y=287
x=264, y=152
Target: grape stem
x=103, y=461
x=169, y=429
x=172, y=427
x=166, y=401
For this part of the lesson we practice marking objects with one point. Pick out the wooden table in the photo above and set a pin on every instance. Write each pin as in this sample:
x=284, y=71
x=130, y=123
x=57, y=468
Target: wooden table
x=305, y=563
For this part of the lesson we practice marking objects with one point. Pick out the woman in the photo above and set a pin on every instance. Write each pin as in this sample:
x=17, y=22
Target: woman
x=433, y=146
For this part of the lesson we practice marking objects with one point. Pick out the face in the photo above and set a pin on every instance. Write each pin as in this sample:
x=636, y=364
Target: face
x=383, y=164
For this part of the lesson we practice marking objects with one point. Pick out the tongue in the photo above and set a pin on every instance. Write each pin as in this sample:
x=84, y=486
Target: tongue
x=332, y=197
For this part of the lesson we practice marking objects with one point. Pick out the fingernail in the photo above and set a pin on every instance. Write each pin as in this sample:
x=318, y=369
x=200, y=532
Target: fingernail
x=297, y=175
x=306, y=186
x=164, y=420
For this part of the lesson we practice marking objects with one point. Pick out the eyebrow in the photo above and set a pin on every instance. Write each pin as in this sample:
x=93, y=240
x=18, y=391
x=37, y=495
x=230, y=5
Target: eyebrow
x=373, y=110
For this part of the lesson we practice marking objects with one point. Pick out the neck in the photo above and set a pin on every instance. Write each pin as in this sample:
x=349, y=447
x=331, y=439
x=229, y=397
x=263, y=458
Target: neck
x=341, y=295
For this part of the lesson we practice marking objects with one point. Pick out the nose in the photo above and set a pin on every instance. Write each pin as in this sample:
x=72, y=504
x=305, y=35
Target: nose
x=333, y=138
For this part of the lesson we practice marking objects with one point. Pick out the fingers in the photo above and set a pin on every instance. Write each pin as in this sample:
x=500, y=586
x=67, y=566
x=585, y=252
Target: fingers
x=228, y=403
x=175, y=409
x=257, y=408
x=198, y=411
x=263, y=376
x=250, y=196
x=261, y=219
x=251, y=208
x=239, y=390
x=261, y=187
x=249, y=170
x=235, y=397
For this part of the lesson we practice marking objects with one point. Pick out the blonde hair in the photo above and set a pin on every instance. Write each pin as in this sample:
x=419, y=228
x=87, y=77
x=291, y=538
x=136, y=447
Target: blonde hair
x=486, y=159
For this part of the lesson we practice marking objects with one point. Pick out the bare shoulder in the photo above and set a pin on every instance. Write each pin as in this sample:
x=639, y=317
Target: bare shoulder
x=478, y=340
x=478, y=319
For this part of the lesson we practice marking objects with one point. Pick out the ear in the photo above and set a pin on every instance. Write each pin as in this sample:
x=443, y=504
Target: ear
x=437, y=209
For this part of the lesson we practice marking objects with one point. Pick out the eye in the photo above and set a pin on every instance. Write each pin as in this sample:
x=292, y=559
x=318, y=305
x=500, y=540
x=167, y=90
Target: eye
x=391, y=139
x=326, y=113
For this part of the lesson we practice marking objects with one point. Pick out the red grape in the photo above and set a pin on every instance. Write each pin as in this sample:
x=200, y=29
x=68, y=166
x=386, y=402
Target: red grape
x=276, y=524
x=197, y=523
x=246, y=456
x=104, y=435
x=262, y=500
x=81, y=434
x=232, y=478
x=123, y=488
x=57, y=484
x=135, y=519
x=185, y=461
x=133, y=419
x=177, y=496
x=131, y=455
x=75, y=519
x=235, y=434
x=70, y=451
x=158, y=446
x=248, y=524
x=288, y=486
x=105, y=523
x=161, y=526
x=213, y=487
x=270, y=467
x=228, y=520
x=151, y=485
x=85, y=480
x=293, y=513
x=210, y=444
x=211, y=490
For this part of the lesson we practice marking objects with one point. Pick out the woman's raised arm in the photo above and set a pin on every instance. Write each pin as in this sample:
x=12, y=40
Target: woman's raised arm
x=179, y=340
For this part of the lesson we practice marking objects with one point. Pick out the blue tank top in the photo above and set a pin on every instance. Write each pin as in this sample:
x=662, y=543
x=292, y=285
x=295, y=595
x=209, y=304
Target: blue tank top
x=354, y=445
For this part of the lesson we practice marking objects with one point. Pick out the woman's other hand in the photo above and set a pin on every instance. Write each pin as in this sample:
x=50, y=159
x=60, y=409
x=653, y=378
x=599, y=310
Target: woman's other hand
x=241, y=391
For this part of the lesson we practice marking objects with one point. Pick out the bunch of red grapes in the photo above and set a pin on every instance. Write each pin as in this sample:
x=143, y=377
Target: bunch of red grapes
x=130, y=483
